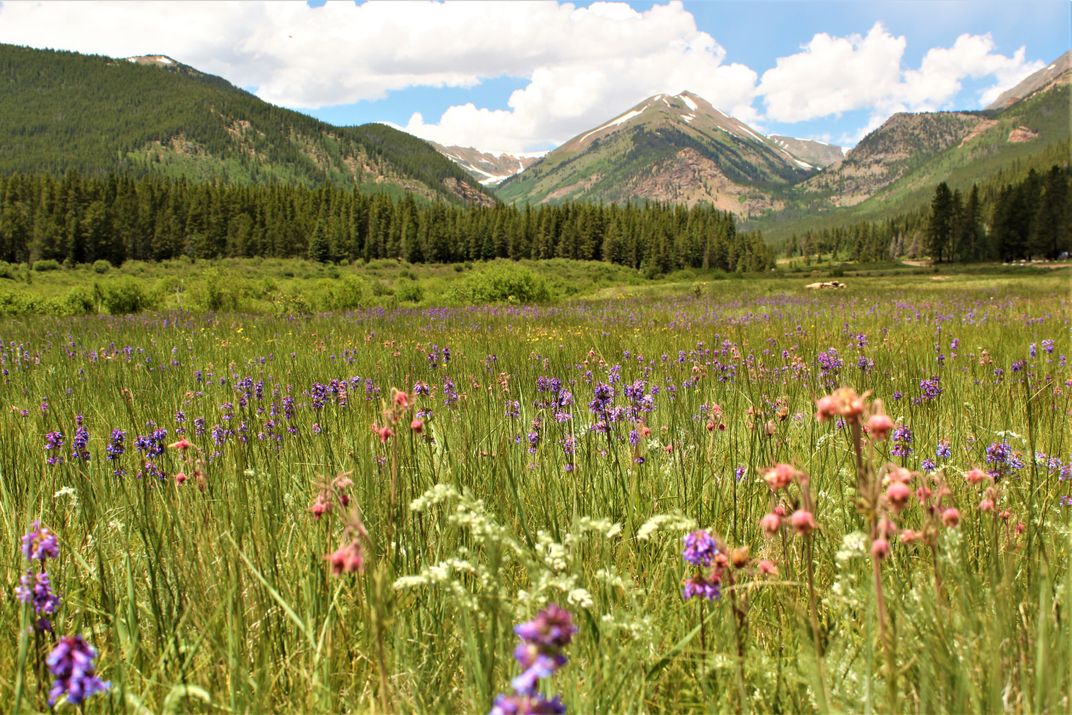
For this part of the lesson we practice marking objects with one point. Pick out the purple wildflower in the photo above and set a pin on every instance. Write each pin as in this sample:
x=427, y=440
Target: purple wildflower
x=700, y=548
x=54, y=445
x=902, y=440
x=72, y=667
x=39, y=543
x=36, y=590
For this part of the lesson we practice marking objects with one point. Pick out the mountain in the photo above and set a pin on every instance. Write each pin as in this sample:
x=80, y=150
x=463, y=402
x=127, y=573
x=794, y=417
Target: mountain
x=901, y=162
x=489, y=169
x=666, y=148
x=1049, y=77
x=63, y=111
x=816, y=153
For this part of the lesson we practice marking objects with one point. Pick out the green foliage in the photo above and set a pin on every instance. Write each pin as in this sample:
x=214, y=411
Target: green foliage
x=156, y=219
x=46, y=265
x=215, y=595
x=502, y=283
x=124, y=296
x=106, y=115
x=101, y=266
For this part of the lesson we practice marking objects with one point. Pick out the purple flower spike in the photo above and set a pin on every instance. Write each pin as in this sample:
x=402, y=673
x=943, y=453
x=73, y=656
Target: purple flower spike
x=71, y=663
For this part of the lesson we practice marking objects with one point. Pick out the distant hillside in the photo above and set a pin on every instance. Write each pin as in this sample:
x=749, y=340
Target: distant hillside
x=487, y=168
x=813, y=152
x=1045, y=78
x=63, y=110
x=667, y=148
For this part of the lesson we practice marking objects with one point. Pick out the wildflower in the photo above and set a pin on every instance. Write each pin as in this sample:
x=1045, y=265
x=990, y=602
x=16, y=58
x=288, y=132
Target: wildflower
x=72, y=667
x=880, y=548
x=542, y=642
x=36, y=590
x=908, y=536
x=986, y=505
x=767, y=567
x=803, y=522
x=535, y=704
x=739, y=557
x=701, y=587
x=39, y=543
x=180, y=478
x=976, y=475
x=349, y=558
x=943, y=450
x=951, y=517
x=771, y=523
x=417, y=425
x=780, y=476
x=80, y=443
x=384, y=433
x=902, y=441
x=54, y=444
x=700, y=548
x=843, y=402
x=182, y=445
x=879, y=426
x=898, y=494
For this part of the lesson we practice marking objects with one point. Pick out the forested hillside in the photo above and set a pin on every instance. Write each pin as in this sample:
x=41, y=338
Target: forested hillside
x=996, y=220
x=63, y=111
x=79, y=219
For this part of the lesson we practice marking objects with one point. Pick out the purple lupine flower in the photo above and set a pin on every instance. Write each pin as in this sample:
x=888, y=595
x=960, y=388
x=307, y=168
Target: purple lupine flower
x=39, y=543
x=1047, y=346
x=700, y=548
x=930, y=389
x=116, y=447
x=943, y=450
x=535, y=704
x=80, y=443
x=71, y=663
x=450, y=393
x=542, y=642
x=701, y=587
x=902, y=441
x=35, y=590
x=422, y=389
x=513, y=409
x=54, y=446
x=928, y=465
x=740, y=472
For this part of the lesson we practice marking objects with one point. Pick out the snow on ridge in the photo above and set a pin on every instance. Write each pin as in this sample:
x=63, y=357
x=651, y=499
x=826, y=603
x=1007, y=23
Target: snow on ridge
x=688, y=118
x=688, y=102
x=614, y=122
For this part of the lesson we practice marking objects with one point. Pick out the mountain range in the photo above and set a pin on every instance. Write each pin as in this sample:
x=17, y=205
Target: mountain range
x=63, y=110
x=152, y=113
x=682, y=149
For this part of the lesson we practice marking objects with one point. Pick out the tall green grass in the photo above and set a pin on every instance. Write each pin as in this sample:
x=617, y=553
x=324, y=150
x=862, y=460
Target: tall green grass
x=220, y=599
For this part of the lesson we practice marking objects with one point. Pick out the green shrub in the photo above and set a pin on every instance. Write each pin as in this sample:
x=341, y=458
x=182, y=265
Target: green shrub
x=125, y=296
x=102, y=266
x=342, y=294
x=502, y=283
x=9, y=270
x=48, y=264
x=409, y=291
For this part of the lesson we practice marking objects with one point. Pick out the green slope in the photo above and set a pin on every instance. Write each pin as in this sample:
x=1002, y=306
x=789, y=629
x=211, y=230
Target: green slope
x=910, y=154
x=63, y=110
x=667, y=148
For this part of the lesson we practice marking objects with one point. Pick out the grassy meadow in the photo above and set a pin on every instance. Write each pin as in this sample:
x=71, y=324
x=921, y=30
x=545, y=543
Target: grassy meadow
x=262, y=507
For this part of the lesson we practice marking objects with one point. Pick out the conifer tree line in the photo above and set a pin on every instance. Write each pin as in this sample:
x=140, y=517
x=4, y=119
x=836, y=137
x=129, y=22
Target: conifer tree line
x=80, y=218
x=1031, y=218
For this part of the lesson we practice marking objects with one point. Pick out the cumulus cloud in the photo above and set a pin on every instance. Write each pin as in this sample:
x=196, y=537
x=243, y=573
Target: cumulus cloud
x=580, y=66
x=580, y=63
x=833, y=75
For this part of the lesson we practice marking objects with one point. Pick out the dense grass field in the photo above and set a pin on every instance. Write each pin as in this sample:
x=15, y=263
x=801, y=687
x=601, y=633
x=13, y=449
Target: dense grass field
x=351, y=511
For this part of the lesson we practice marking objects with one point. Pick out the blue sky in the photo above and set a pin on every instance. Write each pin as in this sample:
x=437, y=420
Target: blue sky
x=527, y=76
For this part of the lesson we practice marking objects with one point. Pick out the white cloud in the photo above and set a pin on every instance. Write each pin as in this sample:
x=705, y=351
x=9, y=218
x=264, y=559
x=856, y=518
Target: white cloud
x=833, y=75
x=581, y=63
x=581, y=66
